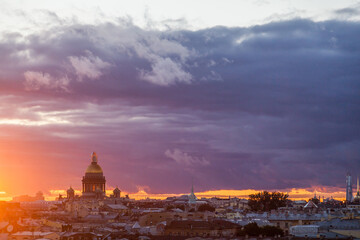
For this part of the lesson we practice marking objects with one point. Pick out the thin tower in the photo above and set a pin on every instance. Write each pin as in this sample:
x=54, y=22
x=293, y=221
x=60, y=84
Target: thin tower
x=192, y=187
x=349, y=194
x=192, y=197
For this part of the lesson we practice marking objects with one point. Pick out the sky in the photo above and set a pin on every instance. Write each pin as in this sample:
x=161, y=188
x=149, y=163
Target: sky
x=234, y=96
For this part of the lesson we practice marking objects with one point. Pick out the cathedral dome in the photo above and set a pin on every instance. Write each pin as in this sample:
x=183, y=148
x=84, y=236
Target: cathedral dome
x=94, y=167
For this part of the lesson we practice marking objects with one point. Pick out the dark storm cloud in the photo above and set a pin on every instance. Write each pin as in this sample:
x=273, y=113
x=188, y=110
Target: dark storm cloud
x=271, y=106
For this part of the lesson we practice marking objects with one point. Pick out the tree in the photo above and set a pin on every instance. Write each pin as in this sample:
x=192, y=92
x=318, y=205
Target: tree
x=206, y=207
x=252, y=229
x=271, y=231
x=266, y=201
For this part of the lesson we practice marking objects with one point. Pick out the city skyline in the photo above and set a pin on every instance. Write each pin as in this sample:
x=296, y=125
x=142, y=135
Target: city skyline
x=238, y=96
x=294, y=194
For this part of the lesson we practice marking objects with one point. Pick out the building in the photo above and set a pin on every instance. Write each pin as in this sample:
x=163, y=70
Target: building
x=349, y=194
x=80, y=236
x=34, y=235
x=304, y=230
x=82, y=208
x=93, y=183
x=357, y=196
x=286, y=220
x=189, y=228
x=153, y=218
x=116, y=193
x=342, y=227
x=192, y=197
x=70, y=193
x=116, y=208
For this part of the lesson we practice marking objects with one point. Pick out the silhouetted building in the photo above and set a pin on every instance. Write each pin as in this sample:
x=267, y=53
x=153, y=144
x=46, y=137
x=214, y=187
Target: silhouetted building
x=116, y=193
x=70, y=193
x=93, y=183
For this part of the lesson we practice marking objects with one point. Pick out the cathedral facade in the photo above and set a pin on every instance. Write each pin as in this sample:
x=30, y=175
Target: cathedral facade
x=93, y=183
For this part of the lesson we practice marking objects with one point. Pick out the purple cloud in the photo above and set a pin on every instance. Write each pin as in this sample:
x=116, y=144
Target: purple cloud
x=264, y=107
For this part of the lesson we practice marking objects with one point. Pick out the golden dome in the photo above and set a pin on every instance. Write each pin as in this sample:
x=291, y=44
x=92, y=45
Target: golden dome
x=94, y=168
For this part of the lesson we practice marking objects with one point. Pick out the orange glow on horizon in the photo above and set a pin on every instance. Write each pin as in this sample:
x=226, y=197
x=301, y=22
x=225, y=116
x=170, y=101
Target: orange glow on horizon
x=294, y=193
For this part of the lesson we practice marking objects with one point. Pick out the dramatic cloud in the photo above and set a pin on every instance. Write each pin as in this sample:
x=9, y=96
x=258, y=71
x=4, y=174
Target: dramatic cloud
x=165, y=72
x=184, y=158
x=273, y=106
x=88, y=66
x=38, y=80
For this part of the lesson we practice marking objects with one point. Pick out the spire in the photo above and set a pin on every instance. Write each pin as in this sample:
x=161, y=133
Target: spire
x=192, y=197
x=357, y=188
x=192, y=186
x=94, y=158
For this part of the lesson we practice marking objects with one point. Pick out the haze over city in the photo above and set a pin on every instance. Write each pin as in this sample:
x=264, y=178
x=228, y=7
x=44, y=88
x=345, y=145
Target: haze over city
x=233, y=96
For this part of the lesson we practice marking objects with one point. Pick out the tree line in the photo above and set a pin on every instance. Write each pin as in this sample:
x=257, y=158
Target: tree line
x=267, y=201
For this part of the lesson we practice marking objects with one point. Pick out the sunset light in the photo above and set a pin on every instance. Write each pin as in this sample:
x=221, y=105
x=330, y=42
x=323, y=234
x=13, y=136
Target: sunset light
x=167, y=119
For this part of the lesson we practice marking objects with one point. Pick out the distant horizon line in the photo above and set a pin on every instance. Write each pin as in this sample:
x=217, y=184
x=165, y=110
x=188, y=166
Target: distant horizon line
x=141, y=194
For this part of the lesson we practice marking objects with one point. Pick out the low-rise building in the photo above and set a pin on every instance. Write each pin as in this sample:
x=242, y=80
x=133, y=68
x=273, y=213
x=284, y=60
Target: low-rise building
x=27, y=235
x=153, y=218
x=80, y=236
x=216, y=228
x=287, y=220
